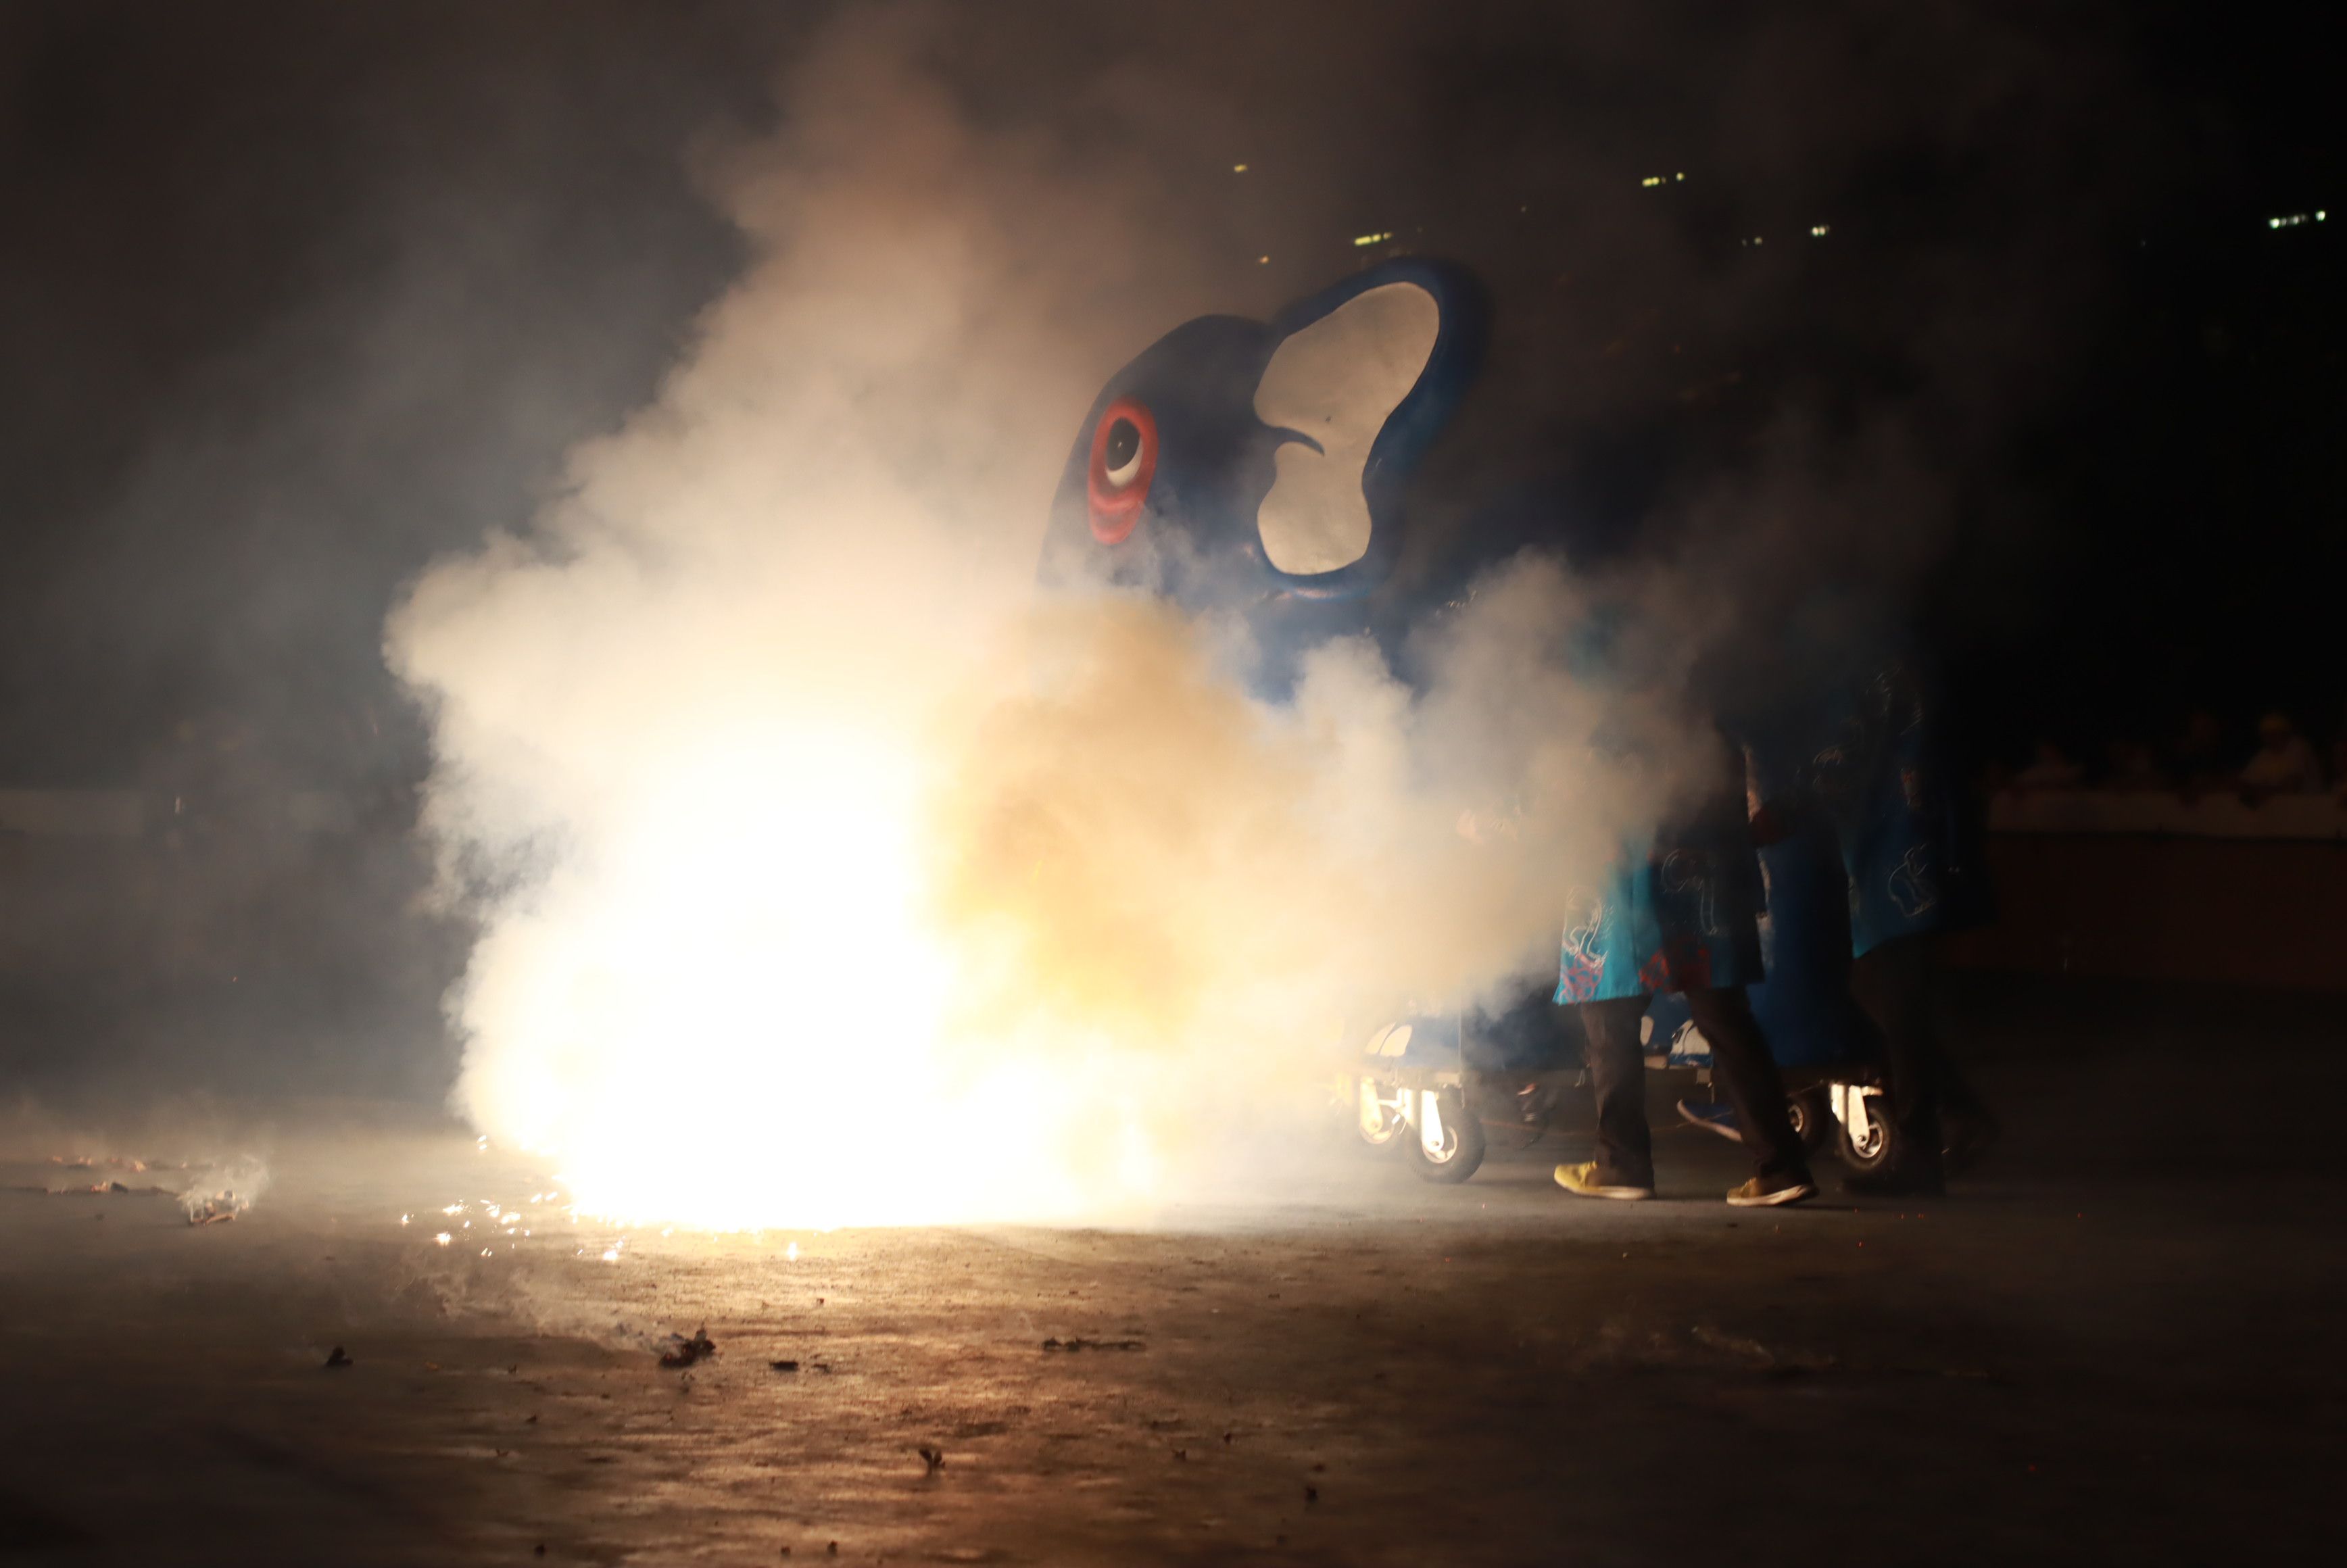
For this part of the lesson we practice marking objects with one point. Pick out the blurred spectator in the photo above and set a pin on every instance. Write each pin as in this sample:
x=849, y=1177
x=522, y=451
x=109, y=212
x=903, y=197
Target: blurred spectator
x=2050, y=769
x=2198, y=764
x=2132, y=770
x=2284, y=763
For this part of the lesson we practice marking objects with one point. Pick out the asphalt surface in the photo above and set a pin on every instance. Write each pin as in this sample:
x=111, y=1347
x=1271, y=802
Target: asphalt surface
x=2120, y=1342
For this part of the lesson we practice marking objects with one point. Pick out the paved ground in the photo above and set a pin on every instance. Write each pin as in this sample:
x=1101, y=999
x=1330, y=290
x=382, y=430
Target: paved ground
x=2122, y=1343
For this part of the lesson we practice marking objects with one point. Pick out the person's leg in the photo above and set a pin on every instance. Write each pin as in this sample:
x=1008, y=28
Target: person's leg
x=1890, y=982
x=1742, y=1067
x=1617, y=1078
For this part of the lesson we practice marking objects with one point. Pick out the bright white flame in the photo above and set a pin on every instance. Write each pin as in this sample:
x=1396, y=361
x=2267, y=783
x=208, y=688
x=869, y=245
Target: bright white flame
x=738, y=999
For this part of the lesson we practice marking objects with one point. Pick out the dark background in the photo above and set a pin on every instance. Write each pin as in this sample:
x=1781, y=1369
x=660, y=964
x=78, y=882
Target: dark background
x=294, y=297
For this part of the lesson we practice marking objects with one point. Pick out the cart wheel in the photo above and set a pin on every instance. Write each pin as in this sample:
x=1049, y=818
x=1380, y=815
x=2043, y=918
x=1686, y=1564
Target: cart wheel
x=1457, y=1137
x=1376, y=1112
x=1813, y=1121
x=1873, y=1146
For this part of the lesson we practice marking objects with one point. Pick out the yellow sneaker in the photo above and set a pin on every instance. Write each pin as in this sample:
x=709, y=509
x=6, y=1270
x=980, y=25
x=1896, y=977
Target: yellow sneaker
x=1768, y=1191
x=1583, y=1180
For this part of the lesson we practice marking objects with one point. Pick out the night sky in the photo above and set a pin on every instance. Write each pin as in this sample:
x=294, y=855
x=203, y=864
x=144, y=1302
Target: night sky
x=296, y=297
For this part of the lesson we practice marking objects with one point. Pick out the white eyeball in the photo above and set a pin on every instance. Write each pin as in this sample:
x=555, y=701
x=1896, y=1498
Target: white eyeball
x=1123, y=453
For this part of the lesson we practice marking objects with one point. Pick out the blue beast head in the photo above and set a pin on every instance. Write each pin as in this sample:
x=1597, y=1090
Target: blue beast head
x=1261, y=466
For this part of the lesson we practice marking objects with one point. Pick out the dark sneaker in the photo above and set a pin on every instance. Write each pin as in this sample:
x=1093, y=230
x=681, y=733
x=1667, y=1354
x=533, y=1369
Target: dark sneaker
x=1768, y=1191
x=1582, y=1179
x=1712, y=1116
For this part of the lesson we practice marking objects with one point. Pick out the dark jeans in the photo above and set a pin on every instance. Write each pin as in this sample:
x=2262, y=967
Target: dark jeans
x=1893, y=984
x=1741, y=1065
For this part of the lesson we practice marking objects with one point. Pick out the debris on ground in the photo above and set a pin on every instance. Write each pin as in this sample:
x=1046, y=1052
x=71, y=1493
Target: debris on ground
x=684, y=1352
x=1093, y=1345
x=221, y=1191
x=338, y=1357
x=784, y=1365
x=933, y=1458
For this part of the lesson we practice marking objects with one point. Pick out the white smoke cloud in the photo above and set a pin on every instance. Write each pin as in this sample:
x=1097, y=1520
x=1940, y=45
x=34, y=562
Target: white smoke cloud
x=803, y=838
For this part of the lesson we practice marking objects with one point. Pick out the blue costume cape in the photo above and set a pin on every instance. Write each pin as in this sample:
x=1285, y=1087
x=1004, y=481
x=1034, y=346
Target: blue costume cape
x=1677, y=911
x=1877, y=770
x=1804, y=1008
x=1677, y=908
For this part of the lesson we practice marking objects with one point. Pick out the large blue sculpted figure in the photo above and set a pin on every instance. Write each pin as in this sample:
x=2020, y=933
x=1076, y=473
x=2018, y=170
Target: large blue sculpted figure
x=1267, y=470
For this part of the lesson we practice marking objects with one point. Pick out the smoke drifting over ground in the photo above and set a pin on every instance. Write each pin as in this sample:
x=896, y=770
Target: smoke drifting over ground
x=789, y=814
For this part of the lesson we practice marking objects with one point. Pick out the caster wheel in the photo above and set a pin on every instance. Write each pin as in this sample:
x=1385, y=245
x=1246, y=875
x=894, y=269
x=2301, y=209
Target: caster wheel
x=1378, y=1113
x=1874, y=1146
x=1813, y=1119
x=1446, y=1144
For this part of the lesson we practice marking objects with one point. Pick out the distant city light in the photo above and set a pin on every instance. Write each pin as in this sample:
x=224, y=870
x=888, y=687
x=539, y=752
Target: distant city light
x=1372, y=239
x=2296, y=220
x=1754, y=241
x=1262, y=261
x=1819, y=231
x=1238, y=168
x=1654, y=180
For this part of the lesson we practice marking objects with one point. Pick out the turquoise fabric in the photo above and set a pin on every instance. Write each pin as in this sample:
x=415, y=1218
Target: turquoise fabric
x=1881, y=776
x=1677, y=911
x=1871, y=762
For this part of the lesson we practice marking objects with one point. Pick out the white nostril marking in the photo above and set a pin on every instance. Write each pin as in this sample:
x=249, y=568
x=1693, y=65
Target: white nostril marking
x=1346, y=373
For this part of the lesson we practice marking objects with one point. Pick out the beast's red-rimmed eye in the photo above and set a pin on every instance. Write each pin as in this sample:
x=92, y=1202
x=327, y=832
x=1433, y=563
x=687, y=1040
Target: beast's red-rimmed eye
x=1123, y=461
